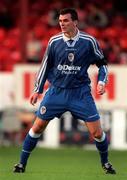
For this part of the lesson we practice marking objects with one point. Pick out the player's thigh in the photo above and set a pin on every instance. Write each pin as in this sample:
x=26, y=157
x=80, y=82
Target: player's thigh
x=84, y=108
x=52, y=105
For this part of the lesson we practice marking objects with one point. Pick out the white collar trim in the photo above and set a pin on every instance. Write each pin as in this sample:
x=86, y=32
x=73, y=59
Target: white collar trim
x=65, y=38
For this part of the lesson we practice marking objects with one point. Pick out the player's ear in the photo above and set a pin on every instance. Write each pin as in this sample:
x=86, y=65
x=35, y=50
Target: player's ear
x=76, y=22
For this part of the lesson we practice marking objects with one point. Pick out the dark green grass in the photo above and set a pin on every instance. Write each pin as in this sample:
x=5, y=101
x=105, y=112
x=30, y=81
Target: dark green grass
x=61, y=164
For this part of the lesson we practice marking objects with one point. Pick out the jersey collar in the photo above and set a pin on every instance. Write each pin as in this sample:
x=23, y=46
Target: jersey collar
x=65, y=38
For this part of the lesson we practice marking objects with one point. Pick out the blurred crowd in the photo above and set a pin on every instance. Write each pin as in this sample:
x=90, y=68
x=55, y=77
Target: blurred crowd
x=105, y=20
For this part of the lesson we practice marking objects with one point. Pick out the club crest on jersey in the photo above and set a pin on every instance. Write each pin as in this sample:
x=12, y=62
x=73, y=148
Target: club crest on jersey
x=43, y=110
x=71, y=57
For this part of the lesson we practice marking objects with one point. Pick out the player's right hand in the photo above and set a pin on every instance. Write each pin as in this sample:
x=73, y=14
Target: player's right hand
x=100, y=89
x=33, y=98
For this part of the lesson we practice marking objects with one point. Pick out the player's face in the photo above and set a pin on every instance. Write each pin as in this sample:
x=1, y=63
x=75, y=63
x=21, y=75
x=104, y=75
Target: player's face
x=67, y=24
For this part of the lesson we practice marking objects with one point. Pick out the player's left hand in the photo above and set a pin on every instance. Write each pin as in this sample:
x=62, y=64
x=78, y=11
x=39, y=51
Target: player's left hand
x=100, y=89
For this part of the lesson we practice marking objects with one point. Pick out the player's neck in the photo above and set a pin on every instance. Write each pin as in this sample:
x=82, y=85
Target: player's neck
x=71, y=34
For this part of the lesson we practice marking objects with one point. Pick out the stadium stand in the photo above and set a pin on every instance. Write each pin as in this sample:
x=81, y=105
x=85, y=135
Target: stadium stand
x=106, y=22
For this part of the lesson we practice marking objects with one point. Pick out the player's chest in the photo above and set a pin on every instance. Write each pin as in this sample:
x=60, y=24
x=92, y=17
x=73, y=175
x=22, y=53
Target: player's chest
x=73, y=54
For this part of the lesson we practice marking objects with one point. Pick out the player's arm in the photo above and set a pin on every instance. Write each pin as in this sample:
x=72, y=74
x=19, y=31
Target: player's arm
x=102, y=75
x=101, y=62
x=41, y=76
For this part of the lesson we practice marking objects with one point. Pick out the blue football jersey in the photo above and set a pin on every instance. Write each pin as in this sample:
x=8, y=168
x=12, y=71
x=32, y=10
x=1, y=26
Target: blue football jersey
x=66, y=62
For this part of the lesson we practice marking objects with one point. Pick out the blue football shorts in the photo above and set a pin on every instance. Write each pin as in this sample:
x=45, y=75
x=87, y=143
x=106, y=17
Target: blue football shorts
x=78, y=101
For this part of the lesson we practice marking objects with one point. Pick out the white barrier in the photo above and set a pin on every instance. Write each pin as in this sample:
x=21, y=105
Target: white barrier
x=119, y=129
x=115, y=101
x=115, y=96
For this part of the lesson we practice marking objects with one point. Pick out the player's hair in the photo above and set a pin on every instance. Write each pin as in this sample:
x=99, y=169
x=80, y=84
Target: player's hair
x=72, y=11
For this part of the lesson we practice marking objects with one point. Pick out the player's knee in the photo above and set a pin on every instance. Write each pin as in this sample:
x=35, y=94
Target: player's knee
x=101, y=137
x=39, y=126
x=34, y=134
x=97, y=134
